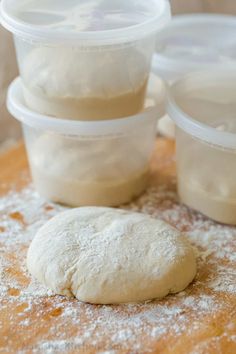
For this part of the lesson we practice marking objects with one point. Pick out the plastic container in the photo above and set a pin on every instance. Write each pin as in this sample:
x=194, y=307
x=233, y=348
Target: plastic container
x=193, y=43
x=77, y=163
x=85, y=60
x=203, y=106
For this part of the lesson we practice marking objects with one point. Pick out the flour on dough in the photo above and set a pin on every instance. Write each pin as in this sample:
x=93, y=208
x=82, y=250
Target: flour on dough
x=104, y=255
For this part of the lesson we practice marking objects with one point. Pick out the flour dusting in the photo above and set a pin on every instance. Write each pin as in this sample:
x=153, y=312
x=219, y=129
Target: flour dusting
x=114, y=329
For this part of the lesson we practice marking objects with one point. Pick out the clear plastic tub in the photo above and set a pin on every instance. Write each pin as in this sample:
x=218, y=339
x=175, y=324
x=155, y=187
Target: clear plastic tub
x=203, y=106
x=85, y=60
x=191, y=43
x=77, y=163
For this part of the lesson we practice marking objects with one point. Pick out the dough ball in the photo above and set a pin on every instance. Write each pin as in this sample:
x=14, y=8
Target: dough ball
x=89, y=160
x=107, y=256
x=56, y=72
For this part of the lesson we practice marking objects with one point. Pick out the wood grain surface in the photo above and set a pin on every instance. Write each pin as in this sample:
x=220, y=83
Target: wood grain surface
x=13, y=168
x=47, y=328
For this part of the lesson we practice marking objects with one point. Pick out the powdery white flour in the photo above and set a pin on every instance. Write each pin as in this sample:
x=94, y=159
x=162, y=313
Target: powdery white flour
x=111, y=256
x=126, y=327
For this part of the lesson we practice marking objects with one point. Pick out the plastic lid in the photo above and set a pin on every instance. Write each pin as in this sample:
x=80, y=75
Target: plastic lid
x=93, y=22
x=154, y=109
x=195, y=42
x=203, y=104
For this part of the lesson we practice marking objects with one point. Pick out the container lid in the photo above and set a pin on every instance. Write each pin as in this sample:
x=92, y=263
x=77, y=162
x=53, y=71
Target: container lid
x=203, y=104
x=154, y=109
x=195, y=42
x=91, y=22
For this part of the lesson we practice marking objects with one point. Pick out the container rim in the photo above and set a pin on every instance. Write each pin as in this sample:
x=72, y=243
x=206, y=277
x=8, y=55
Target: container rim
x=120, y=126
x=178, y=68
x=105, y=37
x=190, y=125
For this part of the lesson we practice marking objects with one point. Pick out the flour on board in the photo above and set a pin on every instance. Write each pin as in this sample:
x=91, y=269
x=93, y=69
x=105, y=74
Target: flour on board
x=124, y=326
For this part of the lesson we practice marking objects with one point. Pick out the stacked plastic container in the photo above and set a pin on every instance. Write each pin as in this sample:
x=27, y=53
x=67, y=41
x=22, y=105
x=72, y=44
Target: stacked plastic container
x=84, y=94
x=203, y=106
x=193, y=43
x=196, y=56
x=89, y=106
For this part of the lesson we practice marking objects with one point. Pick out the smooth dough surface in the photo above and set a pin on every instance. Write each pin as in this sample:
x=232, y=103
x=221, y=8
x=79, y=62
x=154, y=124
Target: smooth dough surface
x=104, y=256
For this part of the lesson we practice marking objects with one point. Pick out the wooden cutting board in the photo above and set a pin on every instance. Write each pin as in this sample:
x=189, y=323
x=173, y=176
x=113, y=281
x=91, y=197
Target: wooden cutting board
x=200, y=320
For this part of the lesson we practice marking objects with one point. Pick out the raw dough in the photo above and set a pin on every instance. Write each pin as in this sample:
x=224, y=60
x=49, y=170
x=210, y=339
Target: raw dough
x=104, y=256
x=207, y=186
x=85, y=84
x=90, y=172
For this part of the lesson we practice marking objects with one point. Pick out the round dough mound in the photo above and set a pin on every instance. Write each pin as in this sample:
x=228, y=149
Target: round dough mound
x=107, y=256
x=56, y=72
